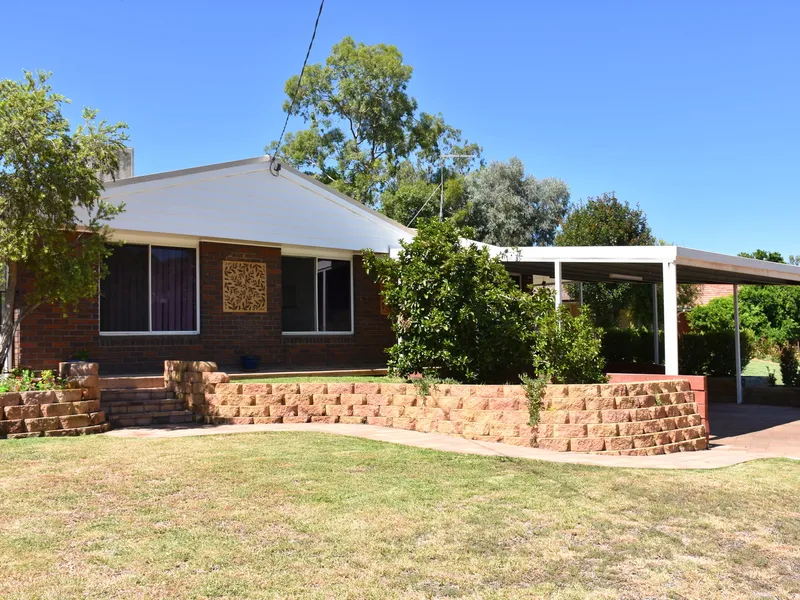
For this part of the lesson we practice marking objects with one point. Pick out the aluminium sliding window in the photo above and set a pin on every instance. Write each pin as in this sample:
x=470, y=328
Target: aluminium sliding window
x=317, y=295
x=149, y=289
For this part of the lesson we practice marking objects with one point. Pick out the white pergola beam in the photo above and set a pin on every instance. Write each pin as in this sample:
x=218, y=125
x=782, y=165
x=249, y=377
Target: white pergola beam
x=670, y=318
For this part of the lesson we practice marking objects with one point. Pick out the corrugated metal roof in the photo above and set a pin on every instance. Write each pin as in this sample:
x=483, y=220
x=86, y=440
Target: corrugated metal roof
x=243, y=200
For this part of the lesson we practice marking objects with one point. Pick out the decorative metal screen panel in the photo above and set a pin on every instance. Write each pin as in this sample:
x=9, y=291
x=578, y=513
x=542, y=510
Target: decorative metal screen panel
x=244, y=287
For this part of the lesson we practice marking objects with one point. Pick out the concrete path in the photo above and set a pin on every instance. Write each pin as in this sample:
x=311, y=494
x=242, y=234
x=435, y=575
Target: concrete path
x=769, y=430
x=720, y=457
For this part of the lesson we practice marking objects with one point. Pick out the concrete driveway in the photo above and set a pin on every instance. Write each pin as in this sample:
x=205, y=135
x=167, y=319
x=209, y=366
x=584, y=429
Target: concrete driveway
x=770, y=430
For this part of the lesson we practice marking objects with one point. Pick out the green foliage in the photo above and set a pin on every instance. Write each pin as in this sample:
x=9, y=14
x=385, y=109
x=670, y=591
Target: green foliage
x=630, y=345
x=509, y=208
x=606, y=221
x=363, y=126
x=24, y=380
x=790, y=366
x=457, y=314
x=772, y=380
x=712, y=353
x=534, y=395
x=760, y=254
x=52, y=218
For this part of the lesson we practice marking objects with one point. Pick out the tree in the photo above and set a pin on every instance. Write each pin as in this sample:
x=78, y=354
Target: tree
x=509, y=208
x=605, y=221
x=363, y=126
x=52, y=218
x=457, y=314
x=759, y=254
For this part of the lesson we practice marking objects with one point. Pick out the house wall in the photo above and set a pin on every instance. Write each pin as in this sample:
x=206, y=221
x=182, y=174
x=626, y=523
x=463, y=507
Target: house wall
x=46, y=336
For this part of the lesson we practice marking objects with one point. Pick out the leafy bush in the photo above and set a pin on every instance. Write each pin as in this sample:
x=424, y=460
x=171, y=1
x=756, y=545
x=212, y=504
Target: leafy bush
x=789, y=366
x=457, y=314
x=712, y=353
x=24, y=380
x=632, y=345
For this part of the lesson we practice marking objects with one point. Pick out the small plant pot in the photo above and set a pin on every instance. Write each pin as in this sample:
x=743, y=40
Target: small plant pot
x=250, y=362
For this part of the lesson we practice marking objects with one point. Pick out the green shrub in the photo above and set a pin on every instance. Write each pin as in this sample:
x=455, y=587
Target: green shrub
x=789, y=366
x=458, y=315
x=712, y=353
x=632, y=345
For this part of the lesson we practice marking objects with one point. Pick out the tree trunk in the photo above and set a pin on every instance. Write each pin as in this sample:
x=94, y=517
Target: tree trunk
x=8, y=324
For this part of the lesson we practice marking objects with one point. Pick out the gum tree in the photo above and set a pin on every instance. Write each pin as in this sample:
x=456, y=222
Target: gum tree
x=52, y=217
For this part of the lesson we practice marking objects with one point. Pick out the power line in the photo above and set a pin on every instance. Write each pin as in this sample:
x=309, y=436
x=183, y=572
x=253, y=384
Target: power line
x=299, y=82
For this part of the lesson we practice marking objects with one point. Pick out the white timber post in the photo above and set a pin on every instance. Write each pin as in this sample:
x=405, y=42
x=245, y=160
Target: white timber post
x=670, y=318
x=557, y=265
x=656, y=349
x=737, y=342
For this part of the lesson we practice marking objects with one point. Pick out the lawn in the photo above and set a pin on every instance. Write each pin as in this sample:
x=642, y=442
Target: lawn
x=288, y=515
x=760, y=368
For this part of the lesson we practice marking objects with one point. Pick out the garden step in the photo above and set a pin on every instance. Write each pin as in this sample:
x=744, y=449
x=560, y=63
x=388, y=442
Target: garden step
x=136, y=395
x=141, y=406
x=144, y=419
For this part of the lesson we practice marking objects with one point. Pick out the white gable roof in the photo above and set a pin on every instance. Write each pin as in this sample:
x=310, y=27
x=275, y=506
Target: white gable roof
x=244, y=201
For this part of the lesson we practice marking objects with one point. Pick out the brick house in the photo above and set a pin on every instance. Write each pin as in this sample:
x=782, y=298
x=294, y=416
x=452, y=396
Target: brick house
x=223, y=261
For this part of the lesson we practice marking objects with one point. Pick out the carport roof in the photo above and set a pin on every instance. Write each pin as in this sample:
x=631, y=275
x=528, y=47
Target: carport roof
x=643, y=264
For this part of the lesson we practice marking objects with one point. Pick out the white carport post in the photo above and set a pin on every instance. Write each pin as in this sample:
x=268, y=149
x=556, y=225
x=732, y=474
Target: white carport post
x=557, y=269
x=656, y=357
x=670, y=318
x=737, y=342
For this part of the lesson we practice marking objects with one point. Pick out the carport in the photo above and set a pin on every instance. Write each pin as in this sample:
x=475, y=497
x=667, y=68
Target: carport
x=666, y=265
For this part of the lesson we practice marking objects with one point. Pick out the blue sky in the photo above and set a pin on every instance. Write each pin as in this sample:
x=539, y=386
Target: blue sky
x=688, y=108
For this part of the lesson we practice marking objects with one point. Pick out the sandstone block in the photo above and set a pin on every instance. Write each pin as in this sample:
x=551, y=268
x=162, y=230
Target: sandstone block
x=700, y=443
x=297, y=399
x=403, y=400
x=27, y=434
x=42, y=424
x=353, y=399
x=425, y=425
x=24, y=411
x=487, y=391
x=689, y=408
x=695, y=420
x=619, y=443
x=637, y=389
x=651, y=426
x=600, y=403
x=242, y=400
x=570, y=431
x=612, y=390
x=654, y=450
x=554, y=444
x=473, y=429
x=12, y=427
x=84, y=407
x=97, y=418
x=380, y=421
x=488, y=416
x=527, y=442
x=338, y=410
x=215, y=378
x=682, y=422
x=554, y=417
x=398, y=389
x=228, y=389
x=551, y=392
x=625, y=402
x=435, y=414
x=327, y=399
x=603, y=430
x=544, y=430
x=286, y=388
x=340, y=388
x=268, y=399
x=378, y=399
x=514, y=391
x=464, y=391
x=527, y=430
x=38, y=397
x=414, y=412
x=587, y=444
x=663, y=438
x=55, y=410
x=504, y=404
x=281, y=410
x=216, y=400
x=366, y=388
x=298, y=419
x=254, y=411
x=673, y=410
x=404, y=423
x=267, y=420
x=583, y=417
x=582, y=391
x=391, y=411
x=645, y=401
x=644, y=440
x=448, y=402
x=643, y=414
x=667, y=423
x=78, y=369
x=10, y=399
x=225, y=411
x=568, y=403
x=67, y=395
x=256, y=388
x=462, y=415
x=311, y=410
x=615, y=416
x=450, y=427
x=364, y=410
x=503, y=430
x=659, y=412
x=72, y=421
x=474, y=403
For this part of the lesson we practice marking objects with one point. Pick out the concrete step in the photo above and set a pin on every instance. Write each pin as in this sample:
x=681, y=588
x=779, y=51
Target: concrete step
x=131, y=382
x=145, y=419
x=123, y=407
x=136, y=395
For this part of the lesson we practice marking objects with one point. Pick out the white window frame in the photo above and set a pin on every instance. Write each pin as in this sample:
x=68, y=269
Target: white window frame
x=317, y=257
x=165, y=243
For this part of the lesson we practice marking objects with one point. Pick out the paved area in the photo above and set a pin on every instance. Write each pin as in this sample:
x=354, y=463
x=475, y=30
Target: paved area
x=767, y=430
x=720, y=457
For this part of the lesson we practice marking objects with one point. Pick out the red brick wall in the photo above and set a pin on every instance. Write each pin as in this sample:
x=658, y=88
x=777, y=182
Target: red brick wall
x=47, y=337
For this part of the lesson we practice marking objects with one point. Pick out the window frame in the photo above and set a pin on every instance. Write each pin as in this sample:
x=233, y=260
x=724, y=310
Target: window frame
x=194, y=245
x=317, y=257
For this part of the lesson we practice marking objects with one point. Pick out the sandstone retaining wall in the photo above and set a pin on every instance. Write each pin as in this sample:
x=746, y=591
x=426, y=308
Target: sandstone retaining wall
x=51, y=413
x=631, y=418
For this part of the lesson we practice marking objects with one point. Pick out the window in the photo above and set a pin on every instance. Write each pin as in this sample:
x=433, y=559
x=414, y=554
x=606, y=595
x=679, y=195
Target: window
x=317, y=295
x=149, y=289
x=517, y=278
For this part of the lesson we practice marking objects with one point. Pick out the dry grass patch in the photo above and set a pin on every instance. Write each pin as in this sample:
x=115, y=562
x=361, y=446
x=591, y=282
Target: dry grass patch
x=286, y=515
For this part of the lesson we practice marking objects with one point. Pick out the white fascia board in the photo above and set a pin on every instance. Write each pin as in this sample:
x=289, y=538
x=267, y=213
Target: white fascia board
x=689, y=257
x=591, y=254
